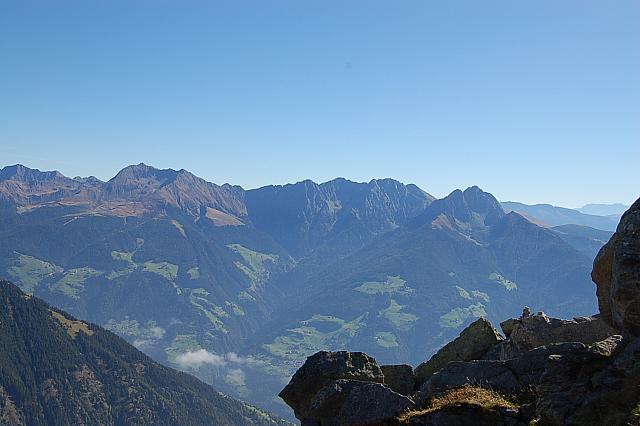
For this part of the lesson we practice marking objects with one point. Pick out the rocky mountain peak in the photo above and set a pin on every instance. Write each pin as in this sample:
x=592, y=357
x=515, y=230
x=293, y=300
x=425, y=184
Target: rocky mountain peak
x=89, y=180
x=21, y=185
x=469, y=210
x=139, y=179
x=178, y=188
x=304, y=214
x=21, y=173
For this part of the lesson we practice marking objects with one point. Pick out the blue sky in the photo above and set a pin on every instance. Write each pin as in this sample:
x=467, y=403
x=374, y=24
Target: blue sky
x=536, y=101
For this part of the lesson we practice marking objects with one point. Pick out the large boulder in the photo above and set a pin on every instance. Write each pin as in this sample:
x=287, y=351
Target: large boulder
x=473, y=343
x=540, y=330
x=584, y=385
x=353, y=402
x=616, y=272
x=399, y=378
x=323, y=368
x=513, y=377
x=491, y=374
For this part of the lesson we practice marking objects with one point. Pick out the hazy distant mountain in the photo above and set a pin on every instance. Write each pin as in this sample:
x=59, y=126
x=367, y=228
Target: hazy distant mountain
x=412, y=289
x=604, y=209
x=239, y=286
x=583, y=238
x=321, y=223
x=56, y=370
x=174, y=263
x=555, y=216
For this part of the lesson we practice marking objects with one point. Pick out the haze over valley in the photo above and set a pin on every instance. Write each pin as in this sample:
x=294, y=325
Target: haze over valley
x=353, y=213
x=239, y=287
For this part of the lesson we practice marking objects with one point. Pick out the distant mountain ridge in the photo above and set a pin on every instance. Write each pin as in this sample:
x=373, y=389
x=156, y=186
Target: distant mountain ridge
x=583, y=238
x=555, y=216
x=615, y=209
x=487, y=262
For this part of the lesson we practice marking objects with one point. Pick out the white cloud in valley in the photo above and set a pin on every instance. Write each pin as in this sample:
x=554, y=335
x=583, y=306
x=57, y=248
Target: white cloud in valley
x=196, y=359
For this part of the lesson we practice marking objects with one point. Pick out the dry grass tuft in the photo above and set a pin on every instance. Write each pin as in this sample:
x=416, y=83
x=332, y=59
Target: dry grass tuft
x=467, y=394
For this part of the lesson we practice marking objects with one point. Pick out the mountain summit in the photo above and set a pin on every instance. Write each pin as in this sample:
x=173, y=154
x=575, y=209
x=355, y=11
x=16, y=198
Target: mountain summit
x=468, y=211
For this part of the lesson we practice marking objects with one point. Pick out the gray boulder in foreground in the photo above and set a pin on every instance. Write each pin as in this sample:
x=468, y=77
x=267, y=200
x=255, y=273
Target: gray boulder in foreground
x=323, y=368
x=353, y=402
x=473, y=343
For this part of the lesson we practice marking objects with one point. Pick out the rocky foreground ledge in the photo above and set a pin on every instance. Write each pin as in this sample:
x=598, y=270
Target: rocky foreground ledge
x=540, y=370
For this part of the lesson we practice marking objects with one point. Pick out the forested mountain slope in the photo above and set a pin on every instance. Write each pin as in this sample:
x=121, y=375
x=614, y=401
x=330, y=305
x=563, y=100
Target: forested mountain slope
x=57, y=370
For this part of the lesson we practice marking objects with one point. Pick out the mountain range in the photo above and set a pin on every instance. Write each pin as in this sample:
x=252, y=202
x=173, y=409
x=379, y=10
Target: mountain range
x=615, y=209
x=239, y=286
x=548, y=215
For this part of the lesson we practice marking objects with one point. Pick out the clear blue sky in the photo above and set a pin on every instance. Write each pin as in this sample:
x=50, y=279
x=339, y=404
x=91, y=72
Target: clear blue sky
x=536, y=101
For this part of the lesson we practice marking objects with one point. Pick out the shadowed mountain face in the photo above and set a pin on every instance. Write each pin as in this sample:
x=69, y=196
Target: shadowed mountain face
x=55, y=369
x=307, y=215
x=179, y=189
x=409, y=291
x=240, y=286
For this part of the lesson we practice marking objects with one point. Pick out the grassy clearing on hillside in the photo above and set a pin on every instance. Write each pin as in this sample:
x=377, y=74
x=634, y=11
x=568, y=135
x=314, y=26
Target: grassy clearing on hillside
x=509, y=285
x=72, y=327
x=123, y=256
x=243, y=296
x=463, y=293
x=29, y=271
x=386, y=339
x=164, y=269
x=392, y=285
x=72, y=283
x=213, y=312
x=305, y=340
x=473, y=294
x=401, y=320
x=481, y=295
x=194, y=273
x=253, y=264
x=237, y=310
x=457, y=316
x=179, y=227
x=132, y=328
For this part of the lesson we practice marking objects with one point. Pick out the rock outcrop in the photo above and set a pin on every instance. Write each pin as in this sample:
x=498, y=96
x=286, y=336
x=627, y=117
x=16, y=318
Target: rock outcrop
x=473, y=343
x=583, y=371
x=517, y=376
x=616, y=272
x=539, y=330
x=347, y=402
x=399, y=378
x=323, y=369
